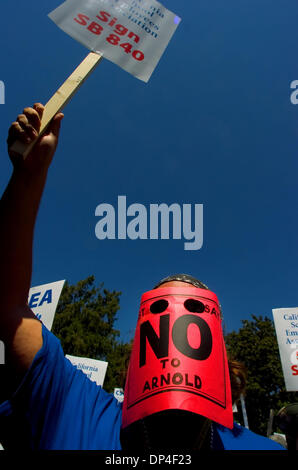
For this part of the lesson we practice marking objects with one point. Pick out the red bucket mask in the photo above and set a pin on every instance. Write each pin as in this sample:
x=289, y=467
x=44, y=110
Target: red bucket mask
x=179, y=358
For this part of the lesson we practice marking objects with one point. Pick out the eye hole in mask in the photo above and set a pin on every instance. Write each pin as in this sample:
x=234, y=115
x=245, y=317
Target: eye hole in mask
x=194, y=306
x=159, y=306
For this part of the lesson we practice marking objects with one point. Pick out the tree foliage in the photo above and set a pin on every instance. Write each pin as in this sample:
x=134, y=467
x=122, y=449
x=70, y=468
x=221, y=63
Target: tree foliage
x=255, y=345
x=84, y=323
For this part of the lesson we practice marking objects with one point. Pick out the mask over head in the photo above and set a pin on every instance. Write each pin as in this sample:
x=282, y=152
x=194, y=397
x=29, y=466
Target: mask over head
x=178, y=360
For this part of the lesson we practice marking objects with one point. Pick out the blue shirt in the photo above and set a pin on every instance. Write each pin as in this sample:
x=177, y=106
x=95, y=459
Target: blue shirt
x=57, y=407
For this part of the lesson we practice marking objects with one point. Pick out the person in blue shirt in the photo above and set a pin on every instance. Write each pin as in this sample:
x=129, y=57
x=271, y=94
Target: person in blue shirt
x=50, y=404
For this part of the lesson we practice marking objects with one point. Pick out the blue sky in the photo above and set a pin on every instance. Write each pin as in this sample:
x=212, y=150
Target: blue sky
x=214, y=126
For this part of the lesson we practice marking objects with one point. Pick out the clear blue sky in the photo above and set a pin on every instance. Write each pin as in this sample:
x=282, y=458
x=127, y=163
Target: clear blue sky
x=214, y=126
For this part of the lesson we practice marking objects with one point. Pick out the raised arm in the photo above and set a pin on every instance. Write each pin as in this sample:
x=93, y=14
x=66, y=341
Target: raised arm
x=19, y=329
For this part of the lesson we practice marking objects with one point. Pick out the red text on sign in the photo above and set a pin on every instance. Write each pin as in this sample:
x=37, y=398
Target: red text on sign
x=118, y=28
x=113, y=39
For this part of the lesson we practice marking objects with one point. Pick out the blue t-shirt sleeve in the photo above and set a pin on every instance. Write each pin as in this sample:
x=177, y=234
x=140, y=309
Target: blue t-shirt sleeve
x=240, y=438
x=58, y=407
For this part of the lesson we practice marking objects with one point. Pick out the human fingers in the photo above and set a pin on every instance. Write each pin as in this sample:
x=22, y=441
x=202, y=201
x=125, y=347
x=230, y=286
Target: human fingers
x=49, y=140
x=55, y=124
x=39, y=108
x=16, y=132
x=27, y=125
x=30, y=132
x=33, y=118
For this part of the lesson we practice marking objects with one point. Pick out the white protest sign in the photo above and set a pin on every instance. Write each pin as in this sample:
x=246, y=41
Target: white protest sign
x=43, y=301
x=94, y=369
x=131, y=33
x=119, y=394
x=286, y=326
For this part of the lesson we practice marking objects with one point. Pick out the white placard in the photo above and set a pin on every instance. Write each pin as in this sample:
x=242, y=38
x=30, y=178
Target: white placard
x=286, y=326
x=94, y=369
x=131, y=33
x=119, y=394
x=235, y=408
x=43, y=301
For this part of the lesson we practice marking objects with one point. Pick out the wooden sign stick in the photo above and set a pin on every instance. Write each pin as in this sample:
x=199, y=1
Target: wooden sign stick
x=61, y=98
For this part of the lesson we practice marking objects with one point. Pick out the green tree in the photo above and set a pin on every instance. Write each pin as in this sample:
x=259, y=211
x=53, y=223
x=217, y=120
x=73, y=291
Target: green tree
x=84, y=323
x=118, y=361
x=255, y=345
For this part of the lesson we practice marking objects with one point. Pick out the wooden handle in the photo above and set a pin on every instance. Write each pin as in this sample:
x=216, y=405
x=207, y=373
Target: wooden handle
x=60, y=99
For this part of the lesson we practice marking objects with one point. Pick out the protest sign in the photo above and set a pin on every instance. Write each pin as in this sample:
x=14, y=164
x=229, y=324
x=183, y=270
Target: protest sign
x=43, y=301
x=286, y=326
x=94, y=369
x=119, y=394
x=131, y=33
x=178, y=359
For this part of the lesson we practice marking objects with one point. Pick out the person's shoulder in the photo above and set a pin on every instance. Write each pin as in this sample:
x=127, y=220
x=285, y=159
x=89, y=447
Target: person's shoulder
x=241, y=438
